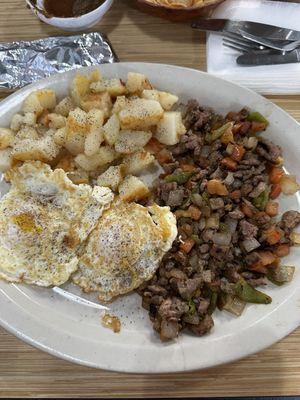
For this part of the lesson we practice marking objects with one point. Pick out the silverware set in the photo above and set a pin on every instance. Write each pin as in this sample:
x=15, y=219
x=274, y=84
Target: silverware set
x=259, y=44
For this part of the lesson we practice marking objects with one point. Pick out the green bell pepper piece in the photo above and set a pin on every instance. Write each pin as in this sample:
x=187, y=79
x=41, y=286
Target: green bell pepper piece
x=247, y=293
x=179, y=177
x=261, y=201
x=257, y=117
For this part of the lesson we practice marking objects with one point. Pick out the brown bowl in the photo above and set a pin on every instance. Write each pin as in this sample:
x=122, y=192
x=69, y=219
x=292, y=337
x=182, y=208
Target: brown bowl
x=178, y=14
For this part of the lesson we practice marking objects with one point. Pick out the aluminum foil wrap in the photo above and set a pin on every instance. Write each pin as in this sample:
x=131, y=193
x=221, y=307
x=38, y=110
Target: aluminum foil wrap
x=23, y=62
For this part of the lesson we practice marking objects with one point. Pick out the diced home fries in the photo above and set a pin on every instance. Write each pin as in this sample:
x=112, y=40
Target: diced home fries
x=97, y=133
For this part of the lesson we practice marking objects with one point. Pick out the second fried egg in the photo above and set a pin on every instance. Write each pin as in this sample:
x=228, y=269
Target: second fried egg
x=125, y=249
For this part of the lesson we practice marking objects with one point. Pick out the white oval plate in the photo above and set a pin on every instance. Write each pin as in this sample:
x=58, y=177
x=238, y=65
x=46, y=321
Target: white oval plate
x=72, y=330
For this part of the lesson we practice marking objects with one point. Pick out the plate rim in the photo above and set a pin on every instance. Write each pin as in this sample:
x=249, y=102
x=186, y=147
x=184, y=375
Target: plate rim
x=292, y=301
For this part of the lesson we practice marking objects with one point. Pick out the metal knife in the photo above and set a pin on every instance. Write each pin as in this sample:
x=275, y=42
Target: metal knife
x=256, y=58
x=254, y=28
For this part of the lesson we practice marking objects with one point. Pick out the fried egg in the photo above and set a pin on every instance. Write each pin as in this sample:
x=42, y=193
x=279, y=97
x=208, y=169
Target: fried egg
x=125, y=249
x=44, y=220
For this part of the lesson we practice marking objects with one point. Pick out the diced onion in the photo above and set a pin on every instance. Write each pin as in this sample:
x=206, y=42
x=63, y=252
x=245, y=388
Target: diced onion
x=192, y=319
x=295, y=237
x=251, y=142
x=250, y=244
x=212, y=222
x=289, y=184
x=229, y=179
x=229, y=148
x=222, y=238
x=281, y=275
x=232, y=224
x=205, y=151
x=235, y=306
x=169, y=330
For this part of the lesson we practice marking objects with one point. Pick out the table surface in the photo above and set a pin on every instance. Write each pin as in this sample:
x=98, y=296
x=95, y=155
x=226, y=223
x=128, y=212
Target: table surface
x=28, y=372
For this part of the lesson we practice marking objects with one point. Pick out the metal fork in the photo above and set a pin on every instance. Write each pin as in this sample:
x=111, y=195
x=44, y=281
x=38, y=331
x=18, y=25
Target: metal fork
x=244, y=46
x=276, y=45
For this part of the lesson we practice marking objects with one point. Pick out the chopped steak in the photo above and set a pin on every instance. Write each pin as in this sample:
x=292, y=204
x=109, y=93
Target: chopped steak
x=247, y=229
x=220, y=185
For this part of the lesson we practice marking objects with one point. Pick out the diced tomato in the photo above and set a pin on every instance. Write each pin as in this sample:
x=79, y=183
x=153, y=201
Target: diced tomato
x=246, y=125
x=232, y=116
x=229, y=163
x=237, y=127
x=258, y=126
x=236, y=194
x=164, y=156
x=187, y=228
x=266, y=260
x=275, y=191
x=190, y=185
x=247, y=210
x=258, y=267
x=188, y=167
x=272, y=208
x=182, y=214
x=215, y=186
x=272, y=235
x=187, y=245
x=154, y=146
x=275, y=174
x=241, y=127
x=267, y=257
x=227, y=137
x=282, y=250
x=194, y=212
x=238, y=152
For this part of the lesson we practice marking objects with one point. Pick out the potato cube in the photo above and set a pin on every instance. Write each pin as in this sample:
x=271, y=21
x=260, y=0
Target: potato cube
x=47, y=98
x=140, y=114
x=137, y=82
x=43, y=149
x=137, y=162
x=111, y=130
x=31, y=104
x=76, y=131
x=132, y=189
x=132, y=141
x=29, y=119
x=92, y=142
x=5, y=159
x=150, y=94
x=38, y=101
x=170, y=128
x=16, y=122
x=56, y=121
x=167, y=100
x=105, y=155
x=101, y=101
x=119, y=104
x=6, y=138
x=60, y=136
x=114, y=87
x=65, y=106
x=112, y=177
x=79, y=88
x=95, y=119
x=27, y=132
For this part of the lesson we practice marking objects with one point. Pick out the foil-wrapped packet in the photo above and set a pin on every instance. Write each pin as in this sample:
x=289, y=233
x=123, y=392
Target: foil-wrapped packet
x=23, y=62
